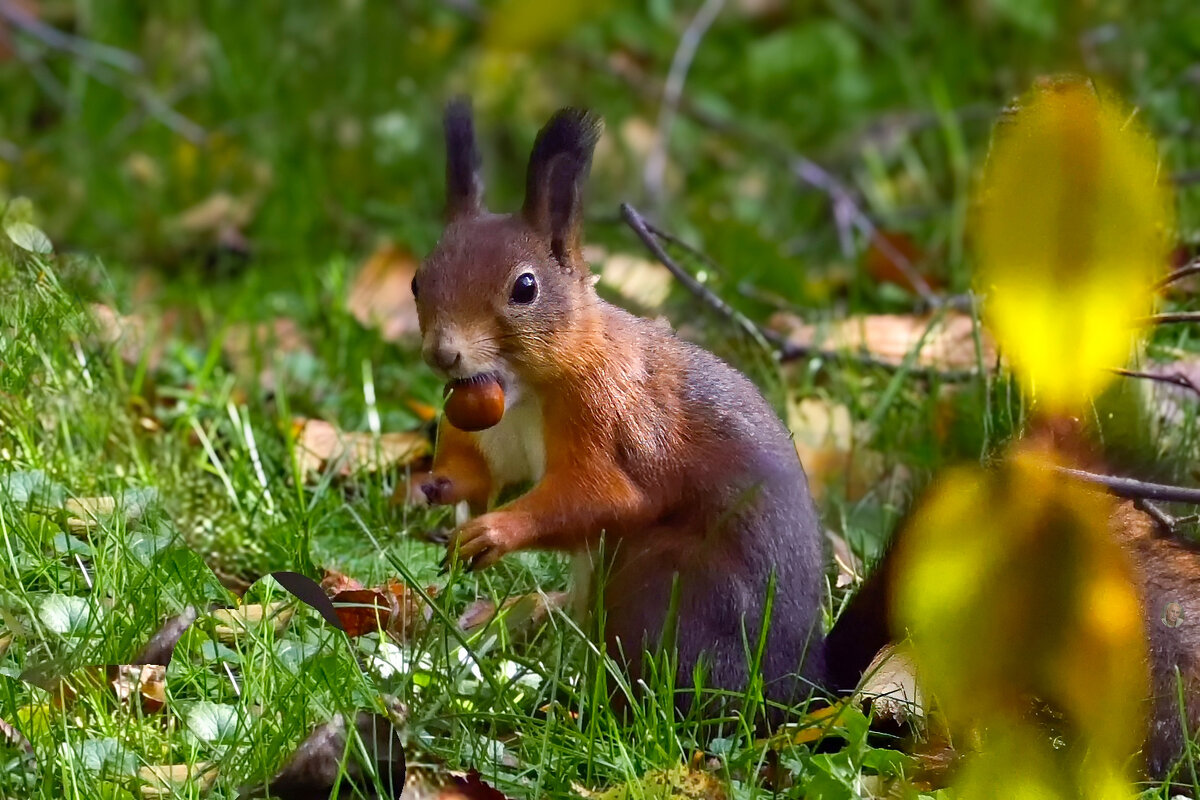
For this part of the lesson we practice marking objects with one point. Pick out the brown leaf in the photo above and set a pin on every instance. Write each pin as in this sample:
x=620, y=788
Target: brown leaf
x=165, y=780
x=949, y=343
x=319, y=443
x=888, y=247
x=233, y=623
x=334, y=582
x=320, y=762
x=890, y=684
x=521, y=615
x=161, y=646
x=381, y=296
x=135, y=336
x=393, y=608
x=13, y=737
x=145, y=682
x=470, y=786
x=825, y=437
x=251, y=349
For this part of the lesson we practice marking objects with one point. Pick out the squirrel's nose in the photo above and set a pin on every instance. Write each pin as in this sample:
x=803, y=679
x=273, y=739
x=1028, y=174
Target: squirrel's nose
x=443, y=355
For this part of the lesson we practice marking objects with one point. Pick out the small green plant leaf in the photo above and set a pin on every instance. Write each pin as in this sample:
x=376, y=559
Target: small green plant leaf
x=29, y=237
x=65, y=615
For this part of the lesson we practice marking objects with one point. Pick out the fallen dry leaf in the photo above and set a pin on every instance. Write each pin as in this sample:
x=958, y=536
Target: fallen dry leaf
x=638, y=280
x=251, y=349
x=680, y=783
x=520, y=615
x=146, y=682
x=381, y=295
x=320, y=762
x=319, y=443
x=825, y=437
x=165, y=780
x=949, y=343
x=235, y=622
x=849, y=566
x=134, y=336
x=886, y=248
x=161, y=646
x=334, y=582
x=393, y=608
x=890, y=685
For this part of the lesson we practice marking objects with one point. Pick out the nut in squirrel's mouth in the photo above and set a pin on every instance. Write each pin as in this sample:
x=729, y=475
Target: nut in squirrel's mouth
x=477, y=379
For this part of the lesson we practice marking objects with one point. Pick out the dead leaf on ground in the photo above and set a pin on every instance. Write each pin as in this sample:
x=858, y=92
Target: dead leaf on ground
x=890, y=685
x=849, y=566
x=825, y=437
x=320, y=762
x=252, y=348
x=233, y=623
x=681, y=783
x=949, y=343
x=889, y=247
x=334, y=582
x=145, y=682
x=13, y=737
x=381, y=295
x=165, y=780
x=394, y=608
x=222, y=217
x=638, y=280
x=520, y=615
x=319, y=443
x=161, y=646
x=135, y=336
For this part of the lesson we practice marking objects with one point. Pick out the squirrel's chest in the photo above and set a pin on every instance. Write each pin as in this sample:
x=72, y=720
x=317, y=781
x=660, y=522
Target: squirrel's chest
x=515, y=448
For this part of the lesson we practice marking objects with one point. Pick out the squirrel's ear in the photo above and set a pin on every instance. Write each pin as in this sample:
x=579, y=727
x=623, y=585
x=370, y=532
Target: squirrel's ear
x=558, y=168
x=464, y=185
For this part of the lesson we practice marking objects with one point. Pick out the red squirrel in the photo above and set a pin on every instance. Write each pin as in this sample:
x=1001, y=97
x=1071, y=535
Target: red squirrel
x=624, y=430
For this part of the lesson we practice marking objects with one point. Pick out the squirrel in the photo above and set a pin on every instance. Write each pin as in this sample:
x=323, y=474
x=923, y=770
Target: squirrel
x=625, y=431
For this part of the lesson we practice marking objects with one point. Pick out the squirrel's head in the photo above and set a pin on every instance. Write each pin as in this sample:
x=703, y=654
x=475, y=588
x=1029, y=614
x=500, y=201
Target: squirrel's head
x=503, y=294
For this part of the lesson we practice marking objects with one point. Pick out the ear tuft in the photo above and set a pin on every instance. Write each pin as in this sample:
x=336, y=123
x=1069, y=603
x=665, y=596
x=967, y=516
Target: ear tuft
x=464, y=185
x=558, y=168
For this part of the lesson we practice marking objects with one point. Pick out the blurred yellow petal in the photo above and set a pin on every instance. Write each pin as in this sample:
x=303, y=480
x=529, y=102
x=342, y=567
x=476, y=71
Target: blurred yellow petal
x=1073, y=227
x=1012, y=588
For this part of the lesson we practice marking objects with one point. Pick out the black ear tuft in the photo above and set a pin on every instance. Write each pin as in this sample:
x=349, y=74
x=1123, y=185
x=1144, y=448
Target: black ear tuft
x=558, y=168
x=464, y=185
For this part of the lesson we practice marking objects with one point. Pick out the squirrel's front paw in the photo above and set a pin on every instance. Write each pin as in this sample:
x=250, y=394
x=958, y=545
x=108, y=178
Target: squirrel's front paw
x=482, y=541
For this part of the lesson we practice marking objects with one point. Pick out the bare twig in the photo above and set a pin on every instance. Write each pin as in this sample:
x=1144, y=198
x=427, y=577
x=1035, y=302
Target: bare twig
x=1170, y=318
x=689, y=43
x=1191, y=268
x=783, y=348
x=1173, y=378
x=847, y=214
x=1136, y=490
x=85, y=49
x=1165, y=522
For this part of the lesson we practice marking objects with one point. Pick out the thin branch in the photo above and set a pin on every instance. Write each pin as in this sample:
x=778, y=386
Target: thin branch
x=783, y=348
x=1166, y=522
x=1191, y=268
x=681, y=62
x=1173, y=378
x=85, y=49
x=847, y=212
x=1170, y=318
x=1136, y=490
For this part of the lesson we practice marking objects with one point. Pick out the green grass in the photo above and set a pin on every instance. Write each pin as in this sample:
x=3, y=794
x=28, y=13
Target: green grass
x=324, y=123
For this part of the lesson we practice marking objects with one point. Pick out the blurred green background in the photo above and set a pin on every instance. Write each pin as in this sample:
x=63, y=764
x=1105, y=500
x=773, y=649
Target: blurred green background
x=230, y=136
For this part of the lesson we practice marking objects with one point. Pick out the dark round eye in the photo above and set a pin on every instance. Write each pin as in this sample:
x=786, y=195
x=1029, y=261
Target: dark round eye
x=524, y=290
x=414, y=287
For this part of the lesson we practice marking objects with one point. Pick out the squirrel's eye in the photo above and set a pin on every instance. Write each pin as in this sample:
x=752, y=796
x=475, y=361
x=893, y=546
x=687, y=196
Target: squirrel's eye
x=414, y=287
x=525, y=289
